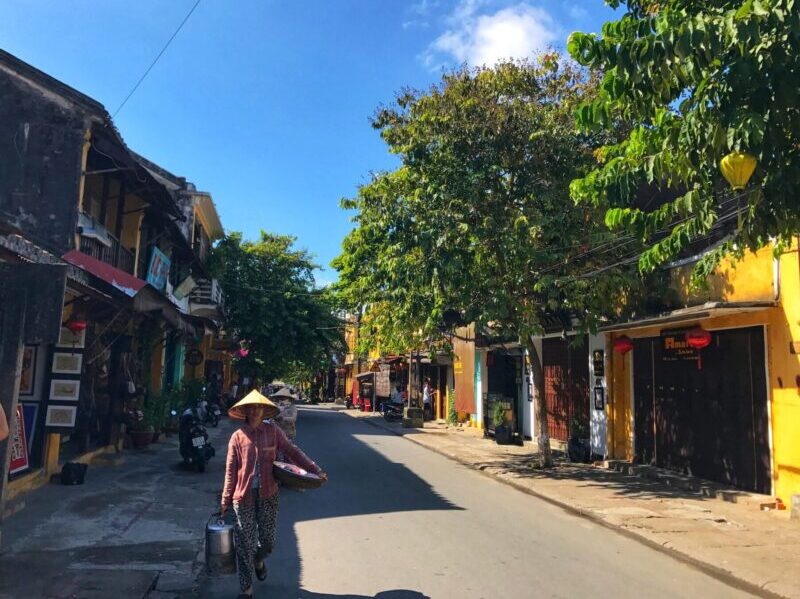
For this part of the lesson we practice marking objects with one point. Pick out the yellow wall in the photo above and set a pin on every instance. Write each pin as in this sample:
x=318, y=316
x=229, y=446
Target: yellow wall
x=748, y=280
x=784, y=365
x=782, y=328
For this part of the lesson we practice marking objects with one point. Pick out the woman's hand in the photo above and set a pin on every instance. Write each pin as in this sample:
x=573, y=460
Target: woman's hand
x=222, y=509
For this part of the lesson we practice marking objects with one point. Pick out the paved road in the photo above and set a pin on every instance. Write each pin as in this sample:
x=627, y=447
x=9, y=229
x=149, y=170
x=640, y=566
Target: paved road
x=398, y=521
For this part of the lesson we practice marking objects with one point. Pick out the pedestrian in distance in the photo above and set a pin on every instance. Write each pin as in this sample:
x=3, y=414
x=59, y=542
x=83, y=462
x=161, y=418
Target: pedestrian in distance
x=3, y=424
x=426, y=399
x=250, y=487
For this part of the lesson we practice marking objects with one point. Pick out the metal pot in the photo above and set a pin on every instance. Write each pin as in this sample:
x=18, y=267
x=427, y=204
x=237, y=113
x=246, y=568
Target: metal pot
x=220, y=550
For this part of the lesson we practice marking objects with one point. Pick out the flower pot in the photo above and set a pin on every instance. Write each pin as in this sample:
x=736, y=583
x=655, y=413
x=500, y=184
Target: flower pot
x=579, y=450
x=141, y=439
x=503, y=435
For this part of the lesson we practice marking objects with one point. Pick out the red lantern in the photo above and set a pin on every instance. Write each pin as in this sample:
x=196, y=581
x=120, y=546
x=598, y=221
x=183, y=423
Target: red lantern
x=242, y=353
x=622, y=345
x=698, y=338
x=76, y=326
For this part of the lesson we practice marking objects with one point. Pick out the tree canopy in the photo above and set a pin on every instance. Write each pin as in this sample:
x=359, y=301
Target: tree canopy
x=478, y=217
x=697, y=80
x=273, y=306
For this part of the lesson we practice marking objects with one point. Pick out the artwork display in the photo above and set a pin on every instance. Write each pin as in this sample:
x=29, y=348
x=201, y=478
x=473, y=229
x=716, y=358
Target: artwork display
x=61, y=416
x=64, y=363
x=64, y=390
x=27, y=379
x=69, y=339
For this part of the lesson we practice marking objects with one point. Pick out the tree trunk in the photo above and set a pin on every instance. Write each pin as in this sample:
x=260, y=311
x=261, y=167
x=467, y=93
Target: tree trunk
x=545, y=453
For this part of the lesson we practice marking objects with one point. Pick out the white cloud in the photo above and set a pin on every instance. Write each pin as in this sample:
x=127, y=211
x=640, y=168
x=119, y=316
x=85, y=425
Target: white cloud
x=578, y=12
x=484, y=39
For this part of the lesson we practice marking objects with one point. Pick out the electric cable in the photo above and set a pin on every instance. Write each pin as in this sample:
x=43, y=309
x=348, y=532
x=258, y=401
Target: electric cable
x=152, y=64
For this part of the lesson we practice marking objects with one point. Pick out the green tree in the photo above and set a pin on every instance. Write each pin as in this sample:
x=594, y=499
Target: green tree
x=697, y=79
x=478, y=216
x=273, y=306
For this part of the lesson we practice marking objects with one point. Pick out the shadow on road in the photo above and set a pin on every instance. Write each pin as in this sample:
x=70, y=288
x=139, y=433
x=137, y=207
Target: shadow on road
x=362, y=482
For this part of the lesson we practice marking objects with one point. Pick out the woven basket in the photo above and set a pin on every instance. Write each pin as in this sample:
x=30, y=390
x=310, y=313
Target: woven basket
x=295, y=477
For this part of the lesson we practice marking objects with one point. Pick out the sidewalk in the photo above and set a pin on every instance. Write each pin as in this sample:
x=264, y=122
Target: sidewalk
x=732, y=541
x=130, y=531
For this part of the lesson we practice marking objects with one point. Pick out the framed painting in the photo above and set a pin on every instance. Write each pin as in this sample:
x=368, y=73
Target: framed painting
x=64, y=363
x=61, y=416
x=69, y=339
x=27, y=379
x=63, y=390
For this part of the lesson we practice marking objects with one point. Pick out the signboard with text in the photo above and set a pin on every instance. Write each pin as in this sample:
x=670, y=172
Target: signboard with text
x=382, y=382
x=674, y=346
x=19, y=445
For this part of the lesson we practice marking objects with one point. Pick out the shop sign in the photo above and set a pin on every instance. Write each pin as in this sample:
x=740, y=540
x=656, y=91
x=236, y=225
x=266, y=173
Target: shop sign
x=19, y=445
x=382, y=382
x=158, y=271
x=674, y=346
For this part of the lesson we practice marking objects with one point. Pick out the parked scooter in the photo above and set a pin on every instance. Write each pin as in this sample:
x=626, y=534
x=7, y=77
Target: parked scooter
x=392, y=412
x=193, y=440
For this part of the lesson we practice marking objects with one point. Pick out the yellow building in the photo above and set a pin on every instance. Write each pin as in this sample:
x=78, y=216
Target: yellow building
x=728, y=411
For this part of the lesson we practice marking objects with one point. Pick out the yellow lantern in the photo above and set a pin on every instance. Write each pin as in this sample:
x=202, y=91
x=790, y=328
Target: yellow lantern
x=737, y=168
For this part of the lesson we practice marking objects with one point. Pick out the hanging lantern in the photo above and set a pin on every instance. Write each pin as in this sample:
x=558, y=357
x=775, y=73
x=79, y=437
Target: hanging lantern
x=75, y=326
x=242, y=353
x=737, y=168
x=698, y=338
x=622, y=345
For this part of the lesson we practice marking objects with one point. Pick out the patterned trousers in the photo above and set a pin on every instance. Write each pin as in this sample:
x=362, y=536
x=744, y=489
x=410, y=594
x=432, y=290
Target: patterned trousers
x=255, y=532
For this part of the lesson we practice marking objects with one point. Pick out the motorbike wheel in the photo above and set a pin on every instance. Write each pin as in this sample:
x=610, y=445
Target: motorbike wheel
x=201, y=465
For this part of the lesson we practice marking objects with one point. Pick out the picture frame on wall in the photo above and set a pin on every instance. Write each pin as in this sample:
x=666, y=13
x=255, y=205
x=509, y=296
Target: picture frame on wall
x=67, y=363
x=27, y=379
x=65, y=390
x=61, y=417
x=67, y=338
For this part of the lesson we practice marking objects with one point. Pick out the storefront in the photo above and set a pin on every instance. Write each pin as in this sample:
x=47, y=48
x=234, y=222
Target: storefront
x=566, y=386
x=704, y=411
x=505, y=389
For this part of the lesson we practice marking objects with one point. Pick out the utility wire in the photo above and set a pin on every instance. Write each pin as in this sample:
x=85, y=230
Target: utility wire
x=152, y=64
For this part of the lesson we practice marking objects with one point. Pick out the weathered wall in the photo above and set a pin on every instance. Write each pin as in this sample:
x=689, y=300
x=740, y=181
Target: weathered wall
x=41, y=147
x=464, y=369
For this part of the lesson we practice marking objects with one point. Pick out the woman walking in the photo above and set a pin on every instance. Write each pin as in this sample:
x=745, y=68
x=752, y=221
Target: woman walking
x=250, y=486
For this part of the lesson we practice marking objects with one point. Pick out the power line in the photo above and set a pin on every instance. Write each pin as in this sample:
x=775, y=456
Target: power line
x=152, y=64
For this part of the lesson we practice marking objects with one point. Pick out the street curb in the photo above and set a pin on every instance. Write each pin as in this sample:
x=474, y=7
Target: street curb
x=720, y=574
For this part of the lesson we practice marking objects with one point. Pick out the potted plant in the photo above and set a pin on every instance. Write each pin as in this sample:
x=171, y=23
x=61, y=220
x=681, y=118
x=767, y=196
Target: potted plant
x=503, y=435
x=155, y=415
x=579, y=447
x=140, y=431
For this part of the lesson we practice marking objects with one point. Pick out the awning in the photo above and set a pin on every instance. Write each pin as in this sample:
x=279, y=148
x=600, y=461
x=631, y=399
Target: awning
x=119, y=279
x=691, y=314
x=146, y=298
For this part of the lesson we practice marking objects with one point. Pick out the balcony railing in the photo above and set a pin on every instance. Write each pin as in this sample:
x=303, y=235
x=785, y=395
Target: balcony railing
x=208, y=291
x=114, y=254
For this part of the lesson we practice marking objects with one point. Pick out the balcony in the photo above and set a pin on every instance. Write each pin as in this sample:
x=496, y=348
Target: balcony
x=98, y=243
x=208, y=292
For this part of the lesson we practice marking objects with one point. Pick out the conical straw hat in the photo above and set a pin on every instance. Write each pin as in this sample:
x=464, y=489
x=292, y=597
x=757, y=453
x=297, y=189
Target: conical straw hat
x=253, y=398
x=283, y=393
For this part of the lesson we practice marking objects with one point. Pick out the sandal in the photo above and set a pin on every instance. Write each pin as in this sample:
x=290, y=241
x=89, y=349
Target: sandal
x=261, y=570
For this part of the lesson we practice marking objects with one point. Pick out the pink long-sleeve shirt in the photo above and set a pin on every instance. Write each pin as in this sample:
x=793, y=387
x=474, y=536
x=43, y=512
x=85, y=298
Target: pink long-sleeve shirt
x=250, y=446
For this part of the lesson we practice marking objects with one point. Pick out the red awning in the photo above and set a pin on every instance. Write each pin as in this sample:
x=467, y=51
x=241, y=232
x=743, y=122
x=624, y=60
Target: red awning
x=126, y=283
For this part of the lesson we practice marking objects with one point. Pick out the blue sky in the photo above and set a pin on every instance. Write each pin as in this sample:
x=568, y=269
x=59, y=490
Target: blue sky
x=265, y=104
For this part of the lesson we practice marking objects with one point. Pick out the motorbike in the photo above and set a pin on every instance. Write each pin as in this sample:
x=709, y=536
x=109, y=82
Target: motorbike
x=193, y=440
x=208, y=412
x=392, y=412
